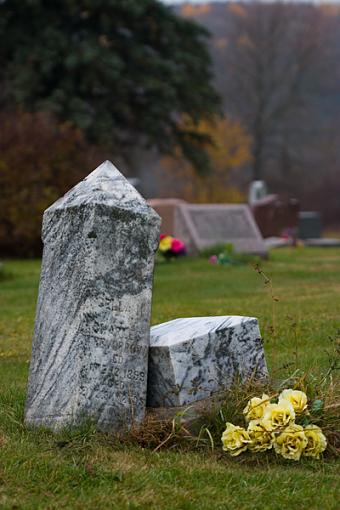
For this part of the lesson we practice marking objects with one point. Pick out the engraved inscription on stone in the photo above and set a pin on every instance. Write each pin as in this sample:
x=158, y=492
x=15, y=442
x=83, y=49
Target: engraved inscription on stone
x=92, y=330
x=217, y=224
x=105, y=333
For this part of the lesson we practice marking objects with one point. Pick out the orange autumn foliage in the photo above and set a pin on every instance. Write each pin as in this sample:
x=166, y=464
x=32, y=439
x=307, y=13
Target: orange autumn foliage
x=229, y=151
x=191, y=11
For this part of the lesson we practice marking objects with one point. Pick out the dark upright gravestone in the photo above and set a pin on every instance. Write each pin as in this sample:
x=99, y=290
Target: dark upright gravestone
x=310, y=226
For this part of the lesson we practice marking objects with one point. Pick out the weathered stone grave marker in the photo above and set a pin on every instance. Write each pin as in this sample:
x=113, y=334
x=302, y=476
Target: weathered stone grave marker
x=90, y=349
x=194, y=358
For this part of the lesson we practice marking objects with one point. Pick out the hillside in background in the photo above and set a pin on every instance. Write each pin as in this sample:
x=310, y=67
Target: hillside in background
x=277, y=68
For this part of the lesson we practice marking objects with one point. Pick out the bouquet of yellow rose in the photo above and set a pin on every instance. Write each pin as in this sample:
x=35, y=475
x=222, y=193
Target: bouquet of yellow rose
x=271, y=424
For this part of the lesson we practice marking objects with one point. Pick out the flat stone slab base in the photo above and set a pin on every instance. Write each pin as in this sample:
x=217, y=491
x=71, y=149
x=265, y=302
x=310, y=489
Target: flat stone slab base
x=193, y=358
x=277, y=242
x=322, y=242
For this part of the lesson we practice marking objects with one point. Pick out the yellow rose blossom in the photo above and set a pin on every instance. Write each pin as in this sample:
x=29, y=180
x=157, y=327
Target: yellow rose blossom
x=255, y=407
x=261, y=439
x=291, y=442
x=277, y=416
x=317, y=442
x=235, y=439
x=297, y=398
x=165, y=243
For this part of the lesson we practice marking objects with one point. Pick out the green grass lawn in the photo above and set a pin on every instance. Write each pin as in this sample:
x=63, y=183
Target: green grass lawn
x=88, y=470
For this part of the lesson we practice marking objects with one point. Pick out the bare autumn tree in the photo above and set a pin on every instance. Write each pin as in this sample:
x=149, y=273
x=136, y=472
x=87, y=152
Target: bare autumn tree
x=273, y=66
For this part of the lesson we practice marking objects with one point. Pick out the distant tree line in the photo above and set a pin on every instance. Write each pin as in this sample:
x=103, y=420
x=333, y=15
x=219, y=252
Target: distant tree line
x=277, y=67
x=79, y=77
x=82, y=81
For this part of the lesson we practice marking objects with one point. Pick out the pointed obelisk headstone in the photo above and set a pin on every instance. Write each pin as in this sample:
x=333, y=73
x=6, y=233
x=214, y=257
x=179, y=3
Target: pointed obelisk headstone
x=91, y=340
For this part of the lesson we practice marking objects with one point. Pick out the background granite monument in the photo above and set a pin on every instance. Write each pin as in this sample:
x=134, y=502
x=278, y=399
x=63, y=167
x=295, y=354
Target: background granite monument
x=167, y=210
x=203, y=225
x=91, y=340
x=206, y=225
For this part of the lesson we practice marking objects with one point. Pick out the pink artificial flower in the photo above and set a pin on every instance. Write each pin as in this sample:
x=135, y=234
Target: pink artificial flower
x=162, y=236
x=177, y=246
x=213, y=259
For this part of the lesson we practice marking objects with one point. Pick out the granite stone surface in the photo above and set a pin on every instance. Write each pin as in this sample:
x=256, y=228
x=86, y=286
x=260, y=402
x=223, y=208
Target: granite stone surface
x=194, y=358
x=91, y=340
x=201, y=226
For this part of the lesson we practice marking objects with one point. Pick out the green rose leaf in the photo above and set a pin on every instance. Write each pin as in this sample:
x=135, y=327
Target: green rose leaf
x=317, y=406
x=305, y=421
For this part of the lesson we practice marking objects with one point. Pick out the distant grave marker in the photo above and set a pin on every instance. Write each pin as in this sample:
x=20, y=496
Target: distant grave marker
x=310, y=225
x=166, y=208
x=205, y=225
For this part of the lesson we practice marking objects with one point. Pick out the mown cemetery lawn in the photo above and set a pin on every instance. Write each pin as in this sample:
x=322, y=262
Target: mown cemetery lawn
x=299, y=314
